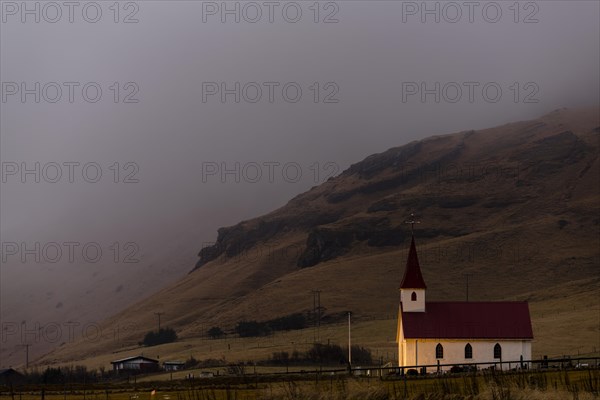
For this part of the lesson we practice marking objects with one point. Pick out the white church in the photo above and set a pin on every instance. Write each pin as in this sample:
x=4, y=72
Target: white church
x=457, y=332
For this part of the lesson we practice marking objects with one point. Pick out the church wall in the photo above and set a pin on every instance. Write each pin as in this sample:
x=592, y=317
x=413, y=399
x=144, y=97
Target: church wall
x=400, y=340
x=454, y=351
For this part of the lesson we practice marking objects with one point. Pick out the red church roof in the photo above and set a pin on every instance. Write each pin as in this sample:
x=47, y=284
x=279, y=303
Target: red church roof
x=412, y=275
x=469, y=320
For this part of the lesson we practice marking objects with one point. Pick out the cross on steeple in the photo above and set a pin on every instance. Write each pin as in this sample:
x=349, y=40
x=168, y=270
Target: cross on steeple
x=412, y=223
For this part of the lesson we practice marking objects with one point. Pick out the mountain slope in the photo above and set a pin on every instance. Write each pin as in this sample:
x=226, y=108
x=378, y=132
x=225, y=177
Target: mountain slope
x=515, y=207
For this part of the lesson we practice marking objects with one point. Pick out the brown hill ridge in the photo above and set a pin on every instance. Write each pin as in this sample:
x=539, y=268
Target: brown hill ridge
x=515, y=207
x=509, y=168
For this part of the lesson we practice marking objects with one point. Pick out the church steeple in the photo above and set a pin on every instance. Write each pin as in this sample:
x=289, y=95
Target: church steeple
x=413, y=279
x=412, y=288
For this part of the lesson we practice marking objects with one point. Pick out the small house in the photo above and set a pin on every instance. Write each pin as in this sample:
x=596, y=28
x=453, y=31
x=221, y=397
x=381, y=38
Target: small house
x=10, y=376
x=173, y=365
x=138, y=364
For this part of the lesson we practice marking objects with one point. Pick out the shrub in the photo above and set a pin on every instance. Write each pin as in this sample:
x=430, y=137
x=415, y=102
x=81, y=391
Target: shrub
x=326, y=353
x=53, y=376
x=287, y=323
x=233, y=369
x=281, y=357
x=252, y=328
x=190, y=362
x=212, y=362
x=361, y=355
x=61, y=375
x=215, y=332
x=456, y=369
x=154, y=338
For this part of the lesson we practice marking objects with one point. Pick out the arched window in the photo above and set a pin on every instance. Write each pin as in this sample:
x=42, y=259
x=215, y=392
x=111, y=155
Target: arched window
x=413, y=296
x=468, y=351
x=439, y=351
x=497, y=351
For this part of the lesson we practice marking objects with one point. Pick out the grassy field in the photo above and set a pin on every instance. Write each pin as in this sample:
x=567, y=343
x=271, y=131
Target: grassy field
x=569, y=310
x=574, y=384
x=554, y=318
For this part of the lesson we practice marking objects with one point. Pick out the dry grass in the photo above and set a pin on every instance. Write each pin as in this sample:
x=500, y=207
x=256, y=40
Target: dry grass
x=558, y=385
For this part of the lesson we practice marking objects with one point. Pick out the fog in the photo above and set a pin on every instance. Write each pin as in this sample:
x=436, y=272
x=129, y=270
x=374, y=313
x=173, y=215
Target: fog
x=211, y=113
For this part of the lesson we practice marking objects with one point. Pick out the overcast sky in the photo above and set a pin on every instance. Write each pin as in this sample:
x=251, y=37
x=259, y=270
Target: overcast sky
x=321, y=85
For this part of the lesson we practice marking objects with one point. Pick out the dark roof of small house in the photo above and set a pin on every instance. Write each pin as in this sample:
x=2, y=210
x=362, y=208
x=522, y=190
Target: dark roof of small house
x=413, y=279
x=134, y=358
x=6, y=371
x=469, y=320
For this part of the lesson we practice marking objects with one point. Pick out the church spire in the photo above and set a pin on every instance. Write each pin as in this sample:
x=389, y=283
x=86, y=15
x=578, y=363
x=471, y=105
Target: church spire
x=413, y=279
x=412, y=288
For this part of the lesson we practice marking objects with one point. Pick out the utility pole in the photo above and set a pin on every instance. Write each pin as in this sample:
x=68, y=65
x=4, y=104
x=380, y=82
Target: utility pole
x=467, y=276
x=158, y=314
x=349, y=340
x=319, y=315
x=27, y=355
x=316, y=315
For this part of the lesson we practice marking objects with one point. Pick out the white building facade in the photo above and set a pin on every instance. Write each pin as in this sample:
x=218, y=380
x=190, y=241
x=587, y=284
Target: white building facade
x=420, y=352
